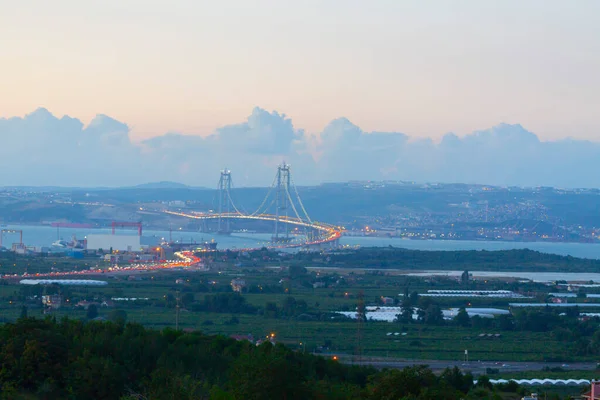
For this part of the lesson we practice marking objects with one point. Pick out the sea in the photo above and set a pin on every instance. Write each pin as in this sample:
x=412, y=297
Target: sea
x=41, y=236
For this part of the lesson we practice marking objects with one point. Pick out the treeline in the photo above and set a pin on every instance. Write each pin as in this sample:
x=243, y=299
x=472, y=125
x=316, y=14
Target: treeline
x=505, y=260
x=234, y=303
x=77, y=360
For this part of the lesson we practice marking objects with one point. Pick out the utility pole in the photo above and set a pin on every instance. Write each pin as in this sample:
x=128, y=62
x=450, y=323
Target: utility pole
x=360, y=319
x=177, y=312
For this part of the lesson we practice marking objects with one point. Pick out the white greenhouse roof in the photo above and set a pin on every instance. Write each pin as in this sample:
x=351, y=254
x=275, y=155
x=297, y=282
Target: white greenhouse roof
x=75, y=282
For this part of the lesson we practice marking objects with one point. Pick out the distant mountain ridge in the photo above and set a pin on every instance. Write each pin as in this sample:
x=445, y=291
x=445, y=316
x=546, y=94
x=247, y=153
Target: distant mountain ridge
x=160, y=185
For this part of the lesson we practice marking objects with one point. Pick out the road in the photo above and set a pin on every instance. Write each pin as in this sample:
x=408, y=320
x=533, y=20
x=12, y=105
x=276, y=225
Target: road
x=475, y=367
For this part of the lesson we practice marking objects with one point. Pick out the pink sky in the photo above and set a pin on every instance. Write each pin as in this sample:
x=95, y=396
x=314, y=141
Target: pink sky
x=423, y=68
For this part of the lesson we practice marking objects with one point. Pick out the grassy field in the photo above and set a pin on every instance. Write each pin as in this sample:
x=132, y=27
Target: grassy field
x=420, y=341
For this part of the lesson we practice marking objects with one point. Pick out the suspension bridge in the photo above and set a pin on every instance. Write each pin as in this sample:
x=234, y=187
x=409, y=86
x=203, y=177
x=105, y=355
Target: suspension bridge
x=282, y=206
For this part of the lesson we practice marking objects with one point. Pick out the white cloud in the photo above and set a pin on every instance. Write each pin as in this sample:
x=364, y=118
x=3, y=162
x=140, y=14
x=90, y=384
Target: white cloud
x=40, y=149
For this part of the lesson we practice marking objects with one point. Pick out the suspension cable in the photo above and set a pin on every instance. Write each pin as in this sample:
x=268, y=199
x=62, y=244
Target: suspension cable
x=292, y=203
x=231, y=199
x=300, y=201
x=265, y=199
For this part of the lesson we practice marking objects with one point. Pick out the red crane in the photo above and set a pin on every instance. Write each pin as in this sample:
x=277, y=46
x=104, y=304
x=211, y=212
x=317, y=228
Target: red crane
x=116, y=224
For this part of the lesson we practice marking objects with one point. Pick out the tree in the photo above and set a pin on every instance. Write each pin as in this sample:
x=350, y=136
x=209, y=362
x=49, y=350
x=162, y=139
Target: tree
x=289, y=306
x=187, y=299
x=92, y=311
x=432, y=315
x=24, y=312
x=505, y=322
x=464, y=278
x=271, y=310
x=297, y=271
x=462, y=318
x=406, y=312
x=484, y=381
x=414, y=297
x=400, y=384
x=456, y=379
x=119, y=317
x=267, y=374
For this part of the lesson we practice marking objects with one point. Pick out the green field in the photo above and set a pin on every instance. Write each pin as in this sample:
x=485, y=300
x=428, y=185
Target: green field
x=314, y=330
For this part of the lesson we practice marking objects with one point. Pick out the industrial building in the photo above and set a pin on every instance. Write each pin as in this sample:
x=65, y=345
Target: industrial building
x=106, y=242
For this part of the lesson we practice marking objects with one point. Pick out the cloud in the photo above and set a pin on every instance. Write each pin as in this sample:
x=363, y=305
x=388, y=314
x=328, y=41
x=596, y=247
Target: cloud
x=41, y=149
x=263, y=133
x=348, y=153
x=252, y=150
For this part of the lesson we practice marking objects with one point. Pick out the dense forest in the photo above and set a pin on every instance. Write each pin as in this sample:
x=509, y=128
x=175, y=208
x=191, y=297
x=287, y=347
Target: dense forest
x=72, y=359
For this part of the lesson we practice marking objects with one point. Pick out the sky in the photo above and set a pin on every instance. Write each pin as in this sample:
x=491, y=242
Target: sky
x=114, y=92
x=424, y=68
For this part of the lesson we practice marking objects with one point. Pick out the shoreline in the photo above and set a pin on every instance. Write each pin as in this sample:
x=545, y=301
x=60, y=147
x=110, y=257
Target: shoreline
x=368, y=237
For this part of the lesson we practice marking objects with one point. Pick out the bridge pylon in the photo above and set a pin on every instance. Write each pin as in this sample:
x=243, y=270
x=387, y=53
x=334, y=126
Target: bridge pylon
x=224, y=201
x=283, y=180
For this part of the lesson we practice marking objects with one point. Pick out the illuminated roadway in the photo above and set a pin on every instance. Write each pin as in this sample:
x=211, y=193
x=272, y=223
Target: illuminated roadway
x=187, y=259
x=329, y=233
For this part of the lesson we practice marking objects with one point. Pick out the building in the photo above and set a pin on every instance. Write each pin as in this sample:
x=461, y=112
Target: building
x=146, y=257
x=241, y=338
x=86, y=304
x=594, y=393
x=238, y=285
x=387, y=301
x=112, y=258
x=107, y=304
x=106, y=242
x=53, y=301
x=533, y=396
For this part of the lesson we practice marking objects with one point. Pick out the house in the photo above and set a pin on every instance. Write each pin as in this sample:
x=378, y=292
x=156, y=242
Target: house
x=241, y=338
x=107, y=303
x=387, y=301
x=53, y=301
x=317, y=285
x=533, y=396
x=594, y=393
x=86, y=304
x=179, y=281
x=238, y=285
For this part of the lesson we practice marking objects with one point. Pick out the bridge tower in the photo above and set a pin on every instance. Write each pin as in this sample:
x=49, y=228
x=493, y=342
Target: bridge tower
x=224, y=200
x=281, y=201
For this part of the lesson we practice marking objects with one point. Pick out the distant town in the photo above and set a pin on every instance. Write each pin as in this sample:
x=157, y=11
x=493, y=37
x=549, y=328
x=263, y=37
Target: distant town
x=381, y=209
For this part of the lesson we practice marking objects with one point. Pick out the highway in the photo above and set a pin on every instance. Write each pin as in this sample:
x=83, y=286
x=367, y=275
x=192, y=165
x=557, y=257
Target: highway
x=475, y=367
x=186, y=259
